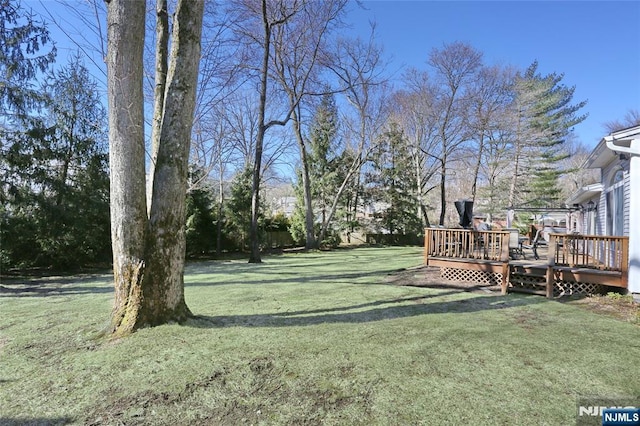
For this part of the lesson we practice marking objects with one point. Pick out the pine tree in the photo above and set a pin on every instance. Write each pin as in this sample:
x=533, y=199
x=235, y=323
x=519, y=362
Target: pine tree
x=201, y=230
x=297, y=229
x=24, y=52
x=546, y=119
x=55, y=177
x=392, y=183
x=238, y=208
x=322, y=141
x=324, y=169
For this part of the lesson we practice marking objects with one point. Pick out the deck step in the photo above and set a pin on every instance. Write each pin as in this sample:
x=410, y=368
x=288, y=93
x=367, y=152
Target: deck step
x=528, y=270
x=528, y=291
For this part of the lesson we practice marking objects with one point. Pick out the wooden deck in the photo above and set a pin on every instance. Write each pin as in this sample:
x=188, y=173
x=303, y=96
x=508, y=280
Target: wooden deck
x=567, y=264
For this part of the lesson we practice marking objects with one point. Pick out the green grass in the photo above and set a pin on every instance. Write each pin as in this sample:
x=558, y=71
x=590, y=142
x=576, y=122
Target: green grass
x=315, y=338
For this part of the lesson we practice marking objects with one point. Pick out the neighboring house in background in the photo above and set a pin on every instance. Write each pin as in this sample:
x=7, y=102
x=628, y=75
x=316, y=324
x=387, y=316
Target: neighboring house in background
x=612, y=207
x=284, y=205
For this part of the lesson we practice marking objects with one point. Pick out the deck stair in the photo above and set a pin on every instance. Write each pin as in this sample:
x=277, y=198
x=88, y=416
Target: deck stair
x=527, y=279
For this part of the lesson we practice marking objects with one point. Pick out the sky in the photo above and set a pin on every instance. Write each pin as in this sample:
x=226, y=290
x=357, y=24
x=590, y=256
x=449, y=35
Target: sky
x=595, y=44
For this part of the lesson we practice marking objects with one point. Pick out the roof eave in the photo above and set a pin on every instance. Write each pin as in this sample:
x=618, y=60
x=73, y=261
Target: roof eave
x=584, y=193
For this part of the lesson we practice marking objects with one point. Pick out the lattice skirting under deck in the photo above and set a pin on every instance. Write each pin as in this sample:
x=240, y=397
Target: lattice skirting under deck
x=569, y=288
x=522, y=281
x=560, y=288
x=528, y=282
x=468, y=275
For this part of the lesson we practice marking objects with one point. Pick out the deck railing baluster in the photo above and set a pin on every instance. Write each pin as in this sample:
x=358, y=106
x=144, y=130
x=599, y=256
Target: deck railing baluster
x=608, y=253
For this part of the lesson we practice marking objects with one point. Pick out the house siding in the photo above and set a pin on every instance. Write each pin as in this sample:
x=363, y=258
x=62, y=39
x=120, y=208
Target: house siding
x=627, y=200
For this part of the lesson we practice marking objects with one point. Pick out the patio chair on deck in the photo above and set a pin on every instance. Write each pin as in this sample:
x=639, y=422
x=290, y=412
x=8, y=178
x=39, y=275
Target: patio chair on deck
x=515, y=248
x=533, y=246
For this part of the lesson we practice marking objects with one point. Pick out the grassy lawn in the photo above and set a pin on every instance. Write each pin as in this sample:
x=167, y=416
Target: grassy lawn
x=315, y=338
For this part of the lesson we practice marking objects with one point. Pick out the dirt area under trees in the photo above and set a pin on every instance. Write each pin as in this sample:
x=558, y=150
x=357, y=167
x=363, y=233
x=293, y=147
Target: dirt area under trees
x=425, y=276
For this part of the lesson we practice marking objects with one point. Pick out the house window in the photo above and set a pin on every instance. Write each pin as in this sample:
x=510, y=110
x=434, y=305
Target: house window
x=615, y=205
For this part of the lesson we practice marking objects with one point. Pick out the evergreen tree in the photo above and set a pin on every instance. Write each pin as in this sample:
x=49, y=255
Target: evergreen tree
x=55, y=182
x=201, y=230
x=24, y=52
x=238, y=208
x=392, y=183
x=297, y=229
x=322, y=141
x=547, y=117
x=324, y=169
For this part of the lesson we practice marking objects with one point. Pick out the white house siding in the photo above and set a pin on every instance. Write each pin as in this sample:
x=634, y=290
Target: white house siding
x=634, y=227
x=627, y=201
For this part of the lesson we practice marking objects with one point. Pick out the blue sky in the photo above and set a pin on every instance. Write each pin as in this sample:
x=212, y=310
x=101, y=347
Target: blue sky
x=596, y=44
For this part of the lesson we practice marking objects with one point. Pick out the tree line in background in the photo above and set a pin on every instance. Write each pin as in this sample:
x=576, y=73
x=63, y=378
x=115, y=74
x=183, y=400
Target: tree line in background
x=54, y=198
x=281, y=88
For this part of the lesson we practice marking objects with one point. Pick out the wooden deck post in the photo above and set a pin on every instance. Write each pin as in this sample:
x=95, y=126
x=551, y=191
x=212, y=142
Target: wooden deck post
x=550, y=282
x=624, y=263
x=551, y=261
x=504, y=247
x=504, y=285
x=427, y=245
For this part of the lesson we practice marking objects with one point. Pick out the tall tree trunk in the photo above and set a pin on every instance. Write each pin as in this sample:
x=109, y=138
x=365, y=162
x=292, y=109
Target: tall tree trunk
x=220, y=209
x=516, y=165
x=162, y=63
x=421, y=208
x=125, y=44
x=310, y=241
x=443, y=182
x=254, y=256
x=149, y=268
x=164, y=282
x=476, y=168
x=334, y=205
x=355, y=199
x=514, y=179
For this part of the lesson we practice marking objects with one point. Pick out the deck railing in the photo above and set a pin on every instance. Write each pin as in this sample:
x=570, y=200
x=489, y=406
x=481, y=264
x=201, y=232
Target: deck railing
x=601, y=252
x=467, y=244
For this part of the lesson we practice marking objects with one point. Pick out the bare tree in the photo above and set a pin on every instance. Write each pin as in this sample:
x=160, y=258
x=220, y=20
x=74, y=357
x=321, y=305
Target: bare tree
x=160, y=84
x=416, y=113
x=577, y=177
x=149, y=251
x=489, y=97
x=299, y=45
x=360, y=69
x=631, y=119
x=266, y=16
x=455, y=65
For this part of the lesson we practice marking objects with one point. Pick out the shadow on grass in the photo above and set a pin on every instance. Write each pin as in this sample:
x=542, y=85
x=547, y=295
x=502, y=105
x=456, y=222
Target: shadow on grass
x=55, y=286
x=33, y=422
x=367, y=312
x=230, y=268
x=229, y=275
